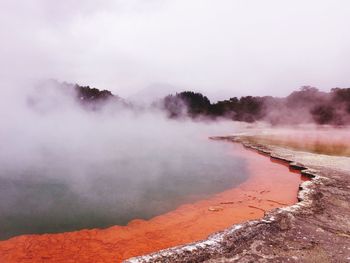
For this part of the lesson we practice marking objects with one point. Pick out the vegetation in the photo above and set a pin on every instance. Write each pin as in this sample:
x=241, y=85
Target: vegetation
x=307, y=105
x=88, y=94
x=95, y=99
x=303, y=106
x=196, y=104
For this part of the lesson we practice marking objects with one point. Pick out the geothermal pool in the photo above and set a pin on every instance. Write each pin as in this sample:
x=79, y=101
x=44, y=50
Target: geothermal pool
x=254, y=185
x=65, y=194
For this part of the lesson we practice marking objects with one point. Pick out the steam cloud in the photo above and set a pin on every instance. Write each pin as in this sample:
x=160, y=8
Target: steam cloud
x=64, y=167
x=222, y=49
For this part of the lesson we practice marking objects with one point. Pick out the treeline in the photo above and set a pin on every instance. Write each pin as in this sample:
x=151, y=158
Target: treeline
x=307, y=105
x=303, y=106
x=87, y=94
x=95, y=99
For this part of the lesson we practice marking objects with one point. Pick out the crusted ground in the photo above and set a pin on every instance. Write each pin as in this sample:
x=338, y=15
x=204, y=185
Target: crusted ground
x=316, y=229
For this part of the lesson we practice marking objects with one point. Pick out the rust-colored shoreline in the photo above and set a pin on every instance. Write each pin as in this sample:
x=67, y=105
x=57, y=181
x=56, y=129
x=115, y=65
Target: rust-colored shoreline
x=270, y=185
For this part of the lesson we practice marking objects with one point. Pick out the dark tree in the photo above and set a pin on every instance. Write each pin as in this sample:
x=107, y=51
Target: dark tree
x=174, y=106
x=306, y=97
x=323, y=114
x=92, y=94
x=305, y=105
x=341, y=97
x=191, y=103
x=196, y=103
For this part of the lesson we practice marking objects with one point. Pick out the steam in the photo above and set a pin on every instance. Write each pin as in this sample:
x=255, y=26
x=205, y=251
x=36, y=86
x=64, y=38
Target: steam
x=231, y=48
x=64, y=167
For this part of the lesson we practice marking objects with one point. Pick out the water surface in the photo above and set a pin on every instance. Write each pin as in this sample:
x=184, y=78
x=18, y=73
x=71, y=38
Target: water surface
x=74, y=191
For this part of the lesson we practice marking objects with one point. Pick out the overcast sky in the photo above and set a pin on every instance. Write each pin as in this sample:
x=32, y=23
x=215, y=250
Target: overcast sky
x=220, y=47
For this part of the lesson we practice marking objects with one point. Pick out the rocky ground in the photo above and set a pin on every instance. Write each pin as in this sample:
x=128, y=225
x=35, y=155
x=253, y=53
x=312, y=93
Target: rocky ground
x=316, y=229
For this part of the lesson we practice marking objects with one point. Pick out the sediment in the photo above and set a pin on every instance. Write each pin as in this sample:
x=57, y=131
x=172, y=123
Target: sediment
x=316, y=229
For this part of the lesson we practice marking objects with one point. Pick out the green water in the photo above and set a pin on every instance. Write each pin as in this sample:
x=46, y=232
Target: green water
x=58, y=196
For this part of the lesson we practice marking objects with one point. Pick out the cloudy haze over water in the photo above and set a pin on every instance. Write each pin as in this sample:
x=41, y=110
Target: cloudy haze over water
x=222, y=48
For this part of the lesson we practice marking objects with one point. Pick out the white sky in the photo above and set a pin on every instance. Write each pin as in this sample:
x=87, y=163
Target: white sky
x=219, y=47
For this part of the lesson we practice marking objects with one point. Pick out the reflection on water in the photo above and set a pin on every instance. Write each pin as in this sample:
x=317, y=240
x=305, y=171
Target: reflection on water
x=113, y=189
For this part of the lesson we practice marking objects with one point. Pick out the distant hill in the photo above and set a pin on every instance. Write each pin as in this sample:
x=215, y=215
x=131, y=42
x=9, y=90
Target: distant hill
x=152, y=93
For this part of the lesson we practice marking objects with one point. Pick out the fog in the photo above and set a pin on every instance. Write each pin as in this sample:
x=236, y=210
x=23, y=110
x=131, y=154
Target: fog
x=64, y=167
x=223, y=49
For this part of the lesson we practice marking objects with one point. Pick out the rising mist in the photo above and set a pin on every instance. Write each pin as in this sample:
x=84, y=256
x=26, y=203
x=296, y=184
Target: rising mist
x=67, y=166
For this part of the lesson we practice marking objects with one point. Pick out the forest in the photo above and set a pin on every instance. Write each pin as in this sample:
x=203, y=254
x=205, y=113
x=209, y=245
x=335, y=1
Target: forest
x=306, y=105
